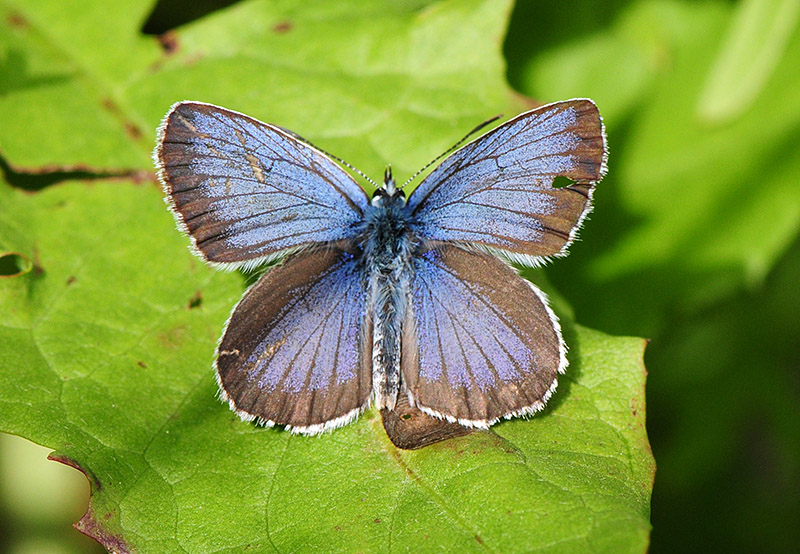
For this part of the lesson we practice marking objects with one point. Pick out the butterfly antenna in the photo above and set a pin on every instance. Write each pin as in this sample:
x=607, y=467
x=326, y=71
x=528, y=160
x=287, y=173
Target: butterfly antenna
x=351, y=167
x=456, y=145
x=337, y=158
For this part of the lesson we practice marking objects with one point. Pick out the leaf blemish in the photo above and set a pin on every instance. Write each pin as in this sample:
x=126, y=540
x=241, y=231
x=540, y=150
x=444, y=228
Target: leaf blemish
x=169, y=42
x=14, y=264
x=196, y=301
x=130, y=128
x=133, y=131
x=173, y=338
x=91, y=527
x=282, y=27
x=15, y=19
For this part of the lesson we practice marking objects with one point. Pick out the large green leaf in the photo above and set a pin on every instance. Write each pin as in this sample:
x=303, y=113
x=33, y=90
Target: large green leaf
x=109, y=336
x=109, y=342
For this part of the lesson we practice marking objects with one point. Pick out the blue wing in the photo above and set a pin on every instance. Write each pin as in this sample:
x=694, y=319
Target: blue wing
x=297, y=349
x=245, y=191
x=497, y=191
x=479, y=342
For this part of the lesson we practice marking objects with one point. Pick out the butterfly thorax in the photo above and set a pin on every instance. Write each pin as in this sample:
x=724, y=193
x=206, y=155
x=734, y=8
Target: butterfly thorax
x=387, y=249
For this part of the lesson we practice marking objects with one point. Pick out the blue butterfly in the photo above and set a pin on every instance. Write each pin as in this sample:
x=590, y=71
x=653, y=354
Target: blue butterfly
x=383, y=299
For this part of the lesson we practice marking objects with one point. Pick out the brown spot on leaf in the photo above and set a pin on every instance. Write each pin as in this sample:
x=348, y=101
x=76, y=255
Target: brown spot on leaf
x=133, y=131
x=141, y=364
x=38, y=269
x=173, y=338
x=130, y=128
x=71, y=279
x=169, y=42
x=282, y=27
x=16, y=19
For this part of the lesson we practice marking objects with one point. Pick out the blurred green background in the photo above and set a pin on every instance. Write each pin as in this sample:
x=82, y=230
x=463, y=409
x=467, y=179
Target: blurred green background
x=693, y=244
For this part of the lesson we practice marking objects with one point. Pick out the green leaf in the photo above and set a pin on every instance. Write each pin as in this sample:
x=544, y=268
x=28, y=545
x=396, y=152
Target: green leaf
x=109, y=362
x=755, y=43
x=66, y=67
x=109, y=337
x=387, y=84
x=694, y=183
x=613, y=65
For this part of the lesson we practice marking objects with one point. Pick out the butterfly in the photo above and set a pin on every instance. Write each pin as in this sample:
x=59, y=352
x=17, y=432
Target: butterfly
x=375, y=300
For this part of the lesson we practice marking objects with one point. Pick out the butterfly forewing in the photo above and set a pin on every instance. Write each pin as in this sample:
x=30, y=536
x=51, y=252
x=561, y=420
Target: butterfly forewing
x=479, y=341
x=498, y=192
x=297, y=348
x=244, y=190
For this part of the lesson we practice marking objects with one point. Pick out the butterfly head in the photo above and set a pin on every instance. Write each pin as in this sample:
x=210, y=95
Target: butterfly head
x=388, y=191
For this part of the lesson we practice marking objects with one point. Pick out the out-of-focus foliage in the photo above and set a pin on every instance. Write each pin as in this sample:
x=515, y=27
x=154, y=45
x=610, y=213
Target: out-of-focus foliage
x=694, y=242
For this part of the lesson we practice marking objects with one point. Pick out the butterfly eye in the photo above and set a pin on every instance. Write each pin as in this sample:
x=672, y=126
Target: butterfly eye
x=382, y=193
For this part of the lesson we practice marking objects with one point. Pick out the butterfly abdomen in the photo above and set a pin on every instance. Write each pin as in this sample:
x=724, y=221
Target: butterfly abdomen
x=387, y=247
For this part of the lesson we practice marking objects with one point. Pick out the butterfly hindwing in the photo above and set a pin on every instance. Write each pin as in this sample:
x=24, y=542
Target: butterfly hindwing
x=479, y=342
x=497, y=191
x=297, y=348
x=245, y=191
